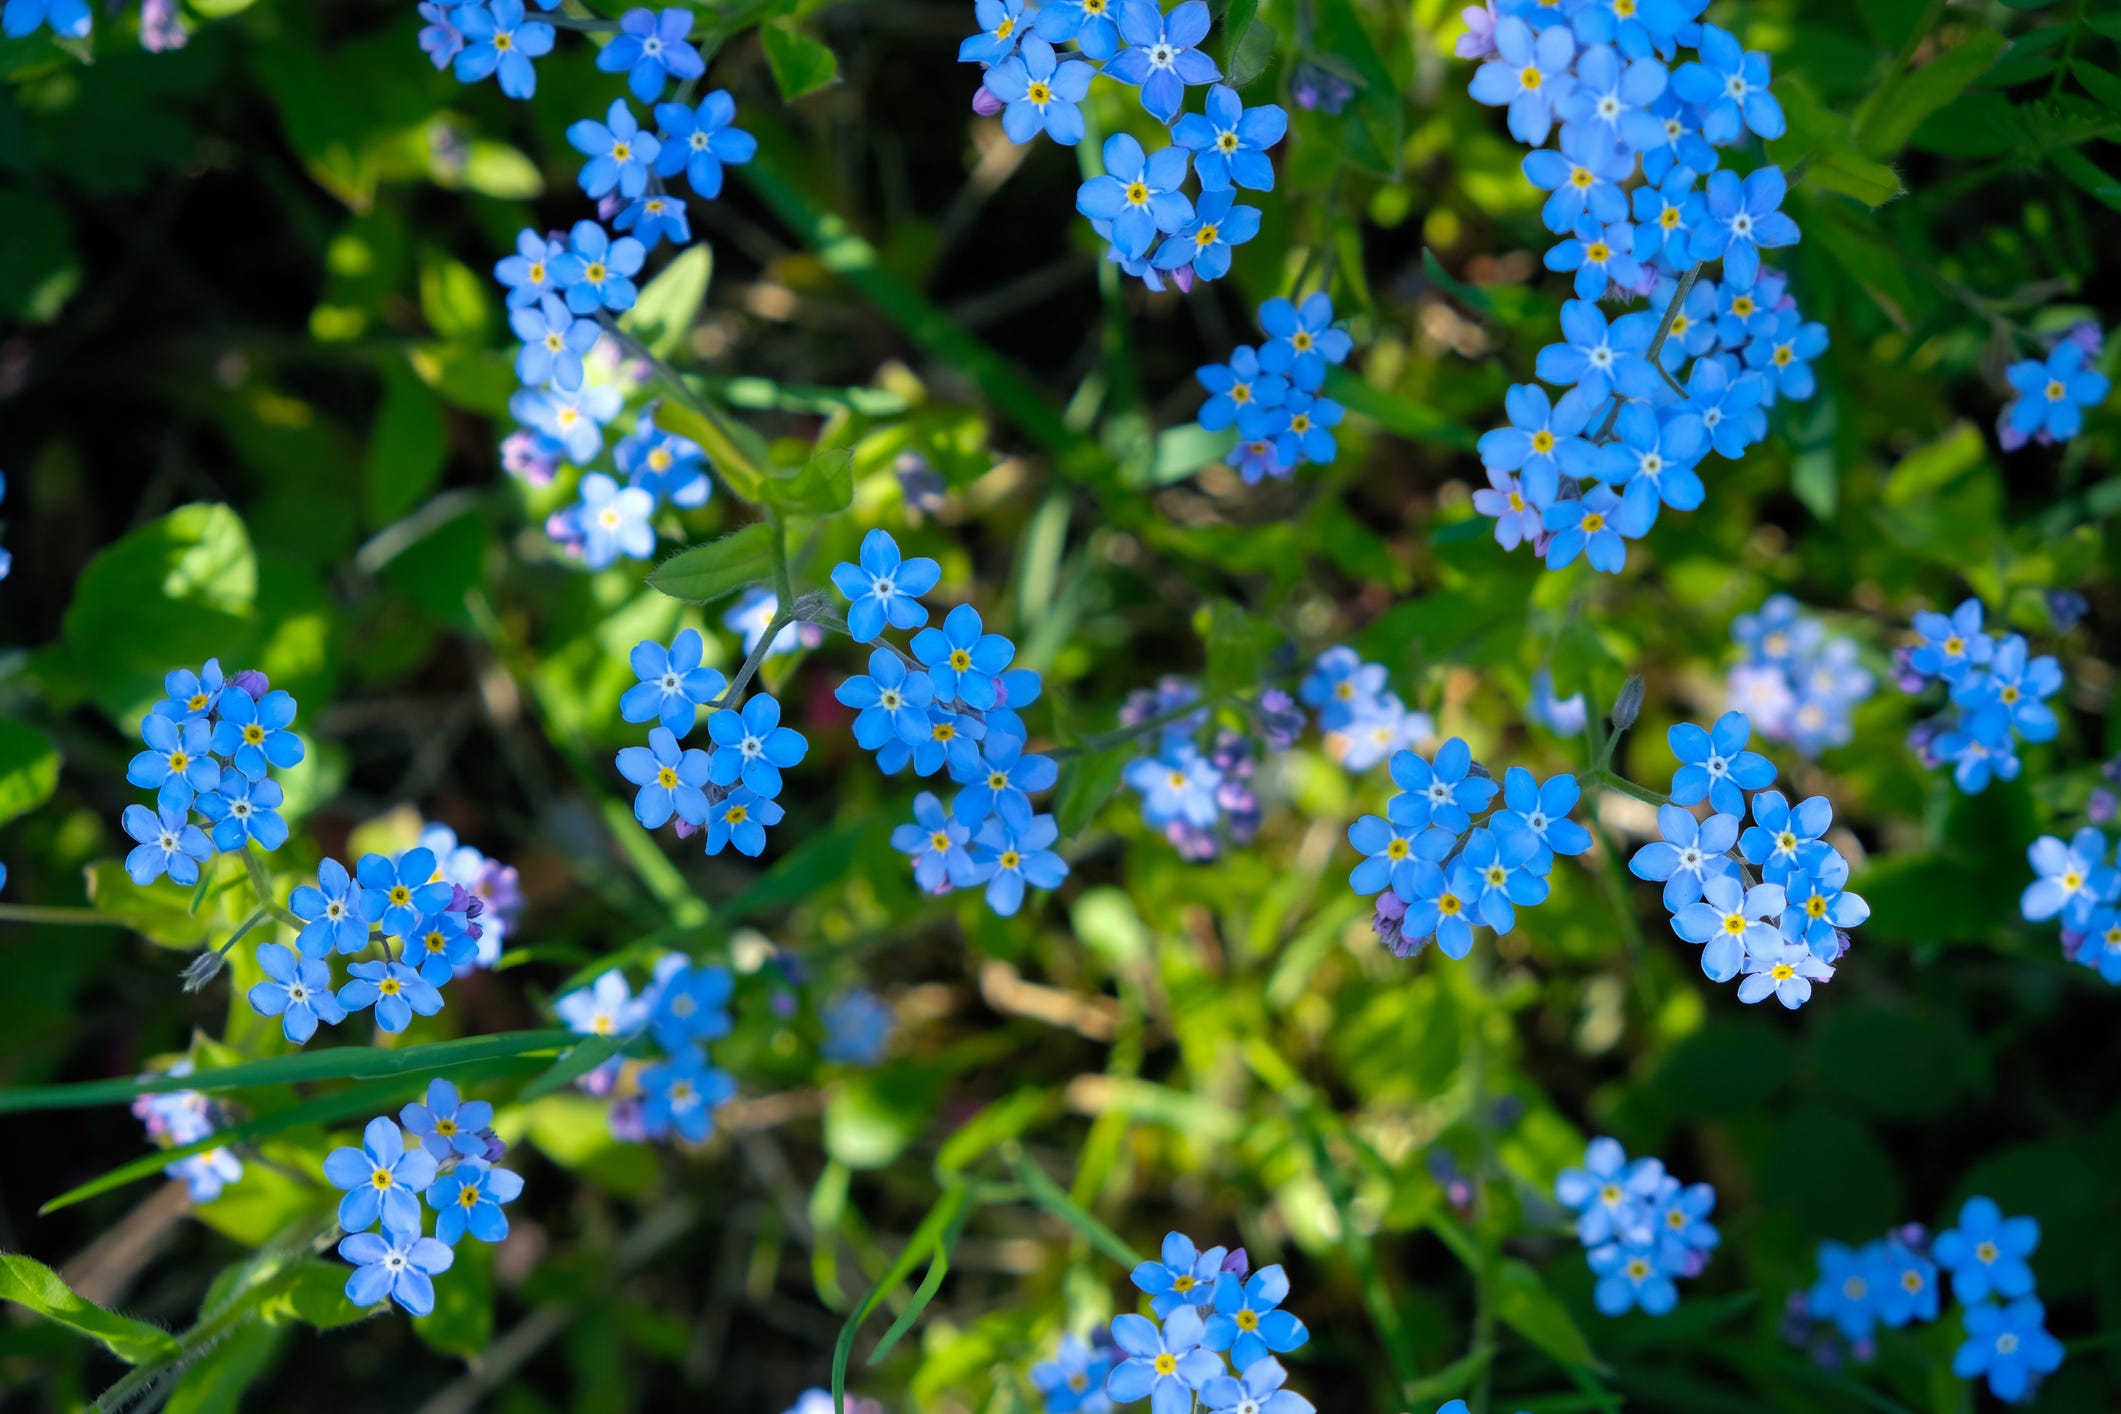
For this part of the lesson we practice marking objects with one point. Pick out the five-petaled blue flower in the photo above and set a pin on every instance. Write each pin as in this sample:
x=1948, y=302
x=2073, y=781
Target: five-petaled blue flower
x=2010, y=1345
x=1820, y=905
x=672, y=780
x=1730, y=86
x=673, y=686
x=1442, y=793
x=884, y=590
x=469, y=1199
x=1248, y=1321
x=447, y=1123
x=1730, y=923
x=680, y=1096
x=2053, y=394
x=1138, y=194
x=1165, y=1366
x=528, y=273
x=332, y=911
x=1258, y=1391
x=614, y=521
x=1001, y=29
x=254, y=734
x=752, y=746
x=1229, y=142
x=190, y=695
x=1783, y=970
x=1531, y=77
x=1008, y=860
x=1598, y=356
x=168, y=844
x=651, y=49
x=689, y=1003
x=499, y=41
x=394, y=896
x=600, y=273
x=1161, y=56
x=964, y=662
x=69, y=19
x=621, y=155
x=937, y=844
x=296, y=989
x=1590, y=527
x=1541, y=811
x=244, y=810
x=1390, y=853
x=1237, y=387
x=400, y=1265
x=741, y=819
x=554, y=340
x=1183, y=1276
x=1089, y=23
x=394, y=989
x=1205, y=242
x=1715, y=766
x=1743, y=218
x=999, y=779
x=383, y=1179
x=1691, y=853
x=700, y=141
x=1986, y=1253
x=1784, y=840
x=178, y=762
x=1301, y=339
x=1039, y=93
x=1585, y=177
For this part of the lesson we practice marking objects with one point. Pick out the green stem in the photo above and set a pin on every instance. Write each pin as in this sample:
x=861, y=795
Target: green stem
x=1611, y=781
x=261, y=885
x=40, y=913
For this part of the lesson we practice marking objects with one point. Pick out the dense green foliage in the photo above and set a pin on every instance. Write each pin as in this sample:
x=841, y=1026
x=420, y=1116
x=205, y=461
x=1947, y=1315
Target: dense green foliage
x=252, y=373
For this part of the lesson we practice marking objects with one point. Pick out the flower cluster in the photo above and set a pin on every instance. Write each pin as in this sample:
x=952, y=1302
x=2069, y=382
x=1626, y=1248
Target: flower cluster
x=2074, y=884
x=428, y=928
x=1436, y=874
x=1998, y=693
x=728, y=789
x=496, y=893
x=1769, y=900
x=2053, y=392
x=1642, y=1228
x=1796, y=684
x=1199, y=800
x=673, y=1089
x=1647, y=395
x=1893, y=1282
x=1216, y=1344
x=565, y=289
x=450, y=1164
x=1363, y=720
x=948, y=703
x=1151, y=227
x=176, y=1119
x=1270, y=393
x=211, y=746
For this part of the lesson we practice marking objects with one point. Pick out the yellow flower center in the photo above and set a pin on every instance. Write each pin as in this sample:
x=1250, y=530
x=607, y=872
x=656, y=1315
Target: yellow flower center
x=2056, y=392
x=1855, y=1288
x=1987, y=1252
x=2008, y=695
x=1911, y=1281
x=197, y=703
x=1782, y=972
x=960, y=660
x=400, y=895
x=1582, y=177
x=1734, y=924
x=595, y=272
x=1542, y=441
x=1516, y=501
x=504, y=41
x=1240, y=392
x=1166, y=1363
x=1742, y=305
x=1598, y=252
x=446, y=1128
x=1783, y=355
x=1449, y=905
x=1226, y=142
x=1679, y=323
x=666, y=778
x=254, y=734
x=1248, y=1319
x=389, y=987
x=467, y=1197
x=939, y=842
x=1815, y=906
x=1006, y=28
x=1638, y=1270
x=1176, y=780
x=178, y=760
x=622, y=151
x=1010, y=859
x=437, y=940
x=537, y=273
x=942, y=731
x=1530, y=77
x=380, y=1179
x=601, y=1024
x=737, y=814
x=1183, y=1285
x=1040, y=94
x=1624, y=8
x=1300, y=424
x=1397, y=849
x=1137, y=193
x=1205, y=237
x=1593, y=523
x=1301, y=341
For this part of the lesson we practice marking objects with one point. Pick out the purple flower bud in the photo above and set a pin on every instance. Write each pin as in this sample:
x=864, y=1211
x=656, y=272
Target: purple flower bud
x=1237, y=1264
x=609, y=207
x=529, y=456
x=1863, y=1351
x=253, y=682
x=685, y=828
x=2073, y=943
x=2100, y=807
x=627, y=1123
x=161, y=30
x=1281, y=721
x=2067, y=608
x=1906, y=676
x=495, y=1148
x=1316, y=89
x=1913, y=1236
x=2086, y=336
x=984, y=102
x=1194, y=845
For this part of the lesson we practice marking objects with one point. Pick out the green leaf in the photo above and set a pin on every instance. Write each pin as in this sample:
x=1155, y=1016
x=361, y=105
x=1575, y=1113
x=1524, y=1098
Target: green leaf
x=1047, y=1194
x=455, y=301
x=1236, y=651
x=947, y=1213
x=331, y=1063
x=2089, y=175
x=663, y=315
x=1888, y=119
x=1820, y=139
x=705, y=573
x=158, y=912
x=2101, y=84
x=1527, y=1307
x=1471, y=296
x=29, y=769
x=1927, y=470
x=574, y=1063
x=32, y=1284
x=823, y=484
x=1086, y=782
x=180, y=589
x=1378, y=108
x=502, y=172
x=313, y=1292
x=462, y=1320
x=1185, y=449
x=800, y=64
x=1395, y=413
x=1451, y=1381
x=407, y=451
x=2027, y=59
x=1249, y=45
x=740, y=455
